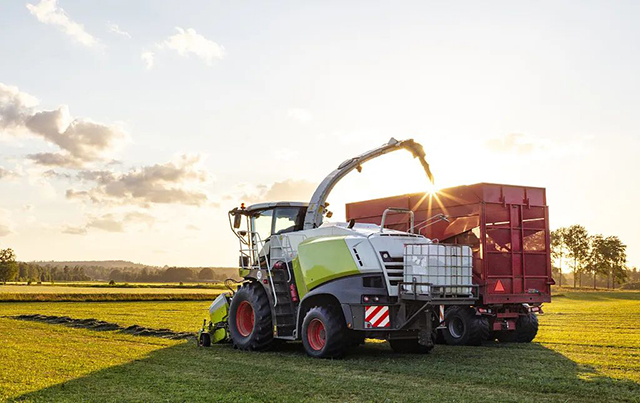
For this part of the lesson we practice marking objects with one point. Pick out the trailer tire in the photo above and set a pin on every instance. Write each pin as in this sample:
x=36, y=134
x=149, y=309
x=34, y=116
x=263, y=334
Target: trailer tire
x=506, y=336
x=324, y=334
x=527, y=328
x=409, y=346
x=464, y=327
x=250, y=324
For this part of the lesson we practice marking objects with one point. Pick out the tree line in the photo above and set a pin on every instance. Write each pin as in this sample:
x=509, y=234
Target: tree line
x=13, y=270
x=595, y=255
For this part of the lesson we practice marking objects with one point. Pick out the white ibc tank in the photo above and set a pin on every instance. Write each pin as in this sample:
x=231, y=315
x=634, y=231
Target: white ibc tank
x=449, y=266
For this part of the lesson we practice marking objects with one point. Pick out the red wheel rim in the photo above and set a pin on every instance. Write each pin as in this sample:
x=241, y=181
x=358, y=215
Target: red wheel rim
x=316, y=334
x=244, y=318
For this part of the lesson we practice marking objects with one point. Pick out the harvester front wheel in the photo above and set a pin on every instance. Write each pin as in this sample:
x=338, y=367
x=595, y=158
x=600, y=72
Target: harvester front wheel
x=464, y=327
x=324, y=334
x=250, y=324
x=408, y=346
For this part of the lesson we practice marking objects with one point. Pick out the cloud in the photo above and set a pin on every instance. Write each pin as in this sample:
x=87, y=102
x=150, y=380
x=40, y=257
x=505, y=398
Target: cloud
x=300, y=114
x=190, y=42
x=6, y=225
x=7, y=174
x=74, y=230
x=287, y=190
x=148, y=58
x=192, y=227
x=48, y=12
x=169, y=183
x=111, y=223
x=116, y=30
x=106, y=223
x=55, y=160
x=511, y=143
x=80, y=140
x=15, y=107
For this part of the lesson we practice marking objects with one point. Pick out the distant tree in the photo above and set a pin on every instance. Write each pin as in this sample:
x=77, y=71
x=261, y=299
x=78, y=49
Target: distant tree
x=559, y=248
x=617, y=258
x=205, y=274
x=598, y=258
x=8, y=266
x=576, y=239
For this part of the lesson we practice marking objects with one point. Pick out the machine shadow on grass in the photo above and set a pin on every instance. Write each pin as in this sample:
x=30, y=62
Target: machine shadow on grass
x=507, y=372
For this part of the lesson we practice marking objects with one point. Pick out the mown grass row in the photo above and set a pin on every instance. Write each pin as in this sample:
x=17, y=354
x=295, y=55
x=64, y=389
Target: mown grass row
x=104, y=297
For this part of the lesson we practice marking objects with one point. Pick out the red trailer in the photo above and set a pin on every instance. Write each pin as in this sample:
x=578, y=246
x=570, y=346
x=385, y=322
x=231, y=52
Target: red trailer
x=508, y=230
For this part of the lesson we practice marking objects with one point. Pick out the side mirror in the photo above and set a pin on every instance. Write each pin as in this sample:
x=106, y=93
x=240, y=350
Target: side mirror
x=237, y=220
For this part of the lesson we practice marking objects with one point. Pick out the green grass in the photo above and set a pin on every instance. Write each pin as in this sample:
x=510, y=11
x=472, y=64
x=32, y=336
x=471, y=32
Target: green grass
x=588, y=349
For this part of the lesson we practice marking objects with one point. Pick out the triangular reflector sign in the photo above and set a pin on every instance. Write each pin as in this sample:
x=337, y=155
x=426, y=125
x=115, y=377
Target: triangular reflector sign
x=499, y=287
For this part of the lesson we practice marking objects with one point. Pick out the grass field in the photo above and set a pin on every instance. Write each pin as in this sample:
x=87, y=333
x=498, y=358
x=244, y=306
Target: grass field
x=588, y=349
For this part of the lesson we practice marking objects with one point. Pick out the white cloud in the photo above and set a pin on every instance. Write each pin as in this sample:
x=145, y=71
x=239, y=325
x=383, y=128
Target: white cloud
x=511, y=143
x=170, y=183
x=80, y=140
x=6, y=224
x=48, y=12
x=300, y=114
x=189, y=41
x=111, y=223
x=7, y=174
x=287, y=190
x=148, y=58
x=116, y=30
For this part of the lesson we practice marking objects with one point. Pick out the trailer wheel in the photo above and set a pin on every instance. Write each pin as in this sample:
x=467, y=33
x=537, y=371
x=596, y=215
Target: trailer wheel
x=527, y=328
x=408, y=346
x=506, y=336
x=324, y=334
x=250, y=325
x=464, y=327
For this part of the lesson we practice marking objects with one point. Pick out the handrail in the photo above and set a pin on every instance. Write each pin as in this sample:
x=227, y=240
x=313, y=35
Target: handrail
x=397, y=210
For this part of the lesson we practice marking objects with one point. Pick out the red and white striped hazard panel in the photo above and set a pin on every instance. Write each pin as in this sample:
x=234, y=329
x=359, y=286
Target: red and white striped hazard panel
x=376, y=316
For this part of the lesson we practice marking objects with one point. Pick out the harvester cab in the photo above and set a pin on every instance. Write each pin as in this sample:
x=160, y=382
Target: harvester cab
x=331, y=285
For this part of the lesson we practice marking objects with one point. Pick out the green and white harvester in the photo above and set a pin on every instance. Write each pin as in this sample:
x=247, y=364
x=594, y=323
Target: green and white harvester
x=332, y=285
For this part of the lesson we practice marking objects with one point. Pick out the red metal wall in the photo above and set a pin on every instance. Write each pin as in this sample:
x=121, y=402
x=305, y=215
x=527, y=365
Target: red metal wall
x=507, y=227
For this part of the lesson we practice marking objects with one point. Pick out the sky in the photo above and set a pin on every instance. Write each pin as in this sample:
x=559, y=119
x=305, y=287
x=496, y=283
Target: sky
x=129, y=129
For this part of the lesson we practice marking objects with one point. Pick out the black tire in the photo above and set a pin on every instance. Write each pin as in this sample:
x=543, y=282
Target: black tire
x=464, y=327
x=356, y=338
x=438, y=336
x=259, y=335
x=324, y=334
x=506, y=336
x=205, y=340
x=408, y=346
x=526, y=328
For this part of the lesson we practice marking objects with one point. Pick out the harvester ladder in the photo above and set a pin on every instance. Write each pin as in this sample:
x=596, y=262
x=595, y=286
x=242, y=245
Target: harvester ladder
x=285, y=308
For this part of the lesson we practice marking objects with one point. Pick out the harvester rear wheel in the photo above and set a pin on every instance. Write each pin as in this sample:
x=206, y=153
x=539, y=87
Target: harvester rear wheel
x=324, y=334
x=408, y=346
x=250, y=325
x=464, y=327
